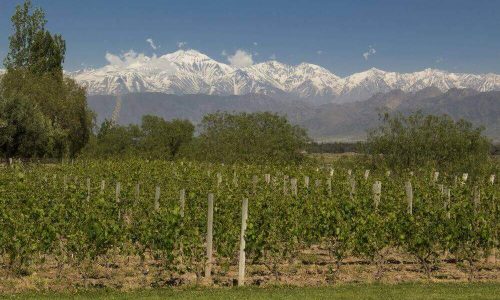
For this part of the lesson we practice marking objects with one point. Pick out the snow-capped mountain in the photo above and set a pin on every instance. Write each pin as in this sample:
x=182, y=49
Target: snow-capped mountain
x=191, y=72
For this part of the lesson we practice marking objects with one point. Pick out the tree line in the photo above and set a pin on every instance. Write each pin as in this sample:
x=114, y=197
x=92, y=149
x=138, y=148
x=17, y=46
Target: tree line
x=221, y=137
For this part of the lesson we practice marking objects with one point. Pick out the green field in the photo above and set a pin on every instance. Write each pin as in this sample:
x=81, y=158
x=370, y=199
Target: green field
x=126, y=225
x=400, y=291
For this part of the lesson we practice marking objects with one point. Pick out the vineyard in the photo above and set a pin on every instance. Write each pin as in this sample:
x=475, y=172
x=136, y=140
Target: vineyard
x=175, y=223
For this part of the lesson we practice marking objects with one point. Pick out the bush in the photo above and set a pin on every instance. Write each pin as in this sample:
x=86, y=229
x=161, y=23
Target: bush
x=249, y=137
x=417, y=140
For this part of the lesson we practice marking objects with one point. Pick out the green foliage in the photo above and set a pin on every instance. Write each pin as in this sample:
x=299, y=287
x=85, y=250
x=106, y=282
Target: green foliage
x=154, y=139
x=411, y=142
x=27, y=24
x=244, y=137
x=164, y=139
x=46, y=210
x=24, y=130
x=47, y=54
x=34, y=87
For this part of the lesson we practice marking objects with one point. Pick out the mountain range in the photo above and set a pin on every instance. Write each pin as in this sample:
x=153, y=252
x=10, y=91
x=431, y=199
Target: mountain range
x=326, y=122
x=191, y=72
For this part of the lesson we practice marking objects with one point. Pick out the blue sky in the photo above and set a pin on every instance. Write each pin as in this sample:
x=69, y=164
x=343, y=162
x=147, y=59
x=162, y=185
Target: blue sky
x=454, y=35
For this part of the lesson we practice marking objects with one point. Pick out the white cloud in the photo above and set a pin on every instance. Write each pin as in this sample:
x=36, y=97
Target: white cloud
x=370, y=52
x=134, y=60
x=223, y=53
x=151, y=43
x=255, y=43
x=272, y=57
x=181, y=44
x=240, y=59
x=319, y=52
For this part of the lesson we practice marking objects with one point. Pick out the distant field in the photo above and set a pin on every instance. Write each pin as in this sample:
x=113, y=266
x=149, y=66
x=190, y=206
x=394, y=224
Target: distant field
x=400, y=291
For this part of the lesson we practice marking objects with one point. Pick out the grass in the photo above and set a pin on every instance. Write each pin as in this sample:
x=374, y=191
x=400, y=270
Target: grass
x=351, y=291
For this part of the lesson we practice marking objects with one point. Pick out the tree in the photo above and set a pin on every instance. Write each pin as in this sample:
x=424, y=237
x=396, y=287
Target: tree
x=35, y=74
x=165, y=138
x=155, y=138
x=24, y=130
x=27, y=25
x=244, y=137
x=417, y=140
x=47, y=54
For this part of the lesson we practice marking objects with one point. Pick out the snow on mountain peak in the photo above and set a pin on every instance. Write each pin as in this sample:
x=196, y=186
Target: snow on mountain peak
x=187, y=56
x=192, y=72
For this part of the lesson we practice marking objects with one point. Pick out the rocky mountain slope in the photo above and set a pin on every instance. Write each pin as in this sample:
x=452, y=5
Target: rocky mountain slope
x=332, y=121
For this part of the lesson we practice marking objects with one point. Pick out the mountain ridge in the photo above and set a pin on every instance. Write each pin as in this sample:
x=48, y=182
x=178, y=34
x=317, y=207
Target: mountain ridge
x=326, y=122
x=192, y=72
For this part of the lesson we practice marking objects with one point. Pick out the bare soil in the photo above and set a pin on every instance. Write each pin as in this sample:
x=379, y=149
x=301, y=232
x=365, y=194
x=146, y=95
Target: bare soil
x=311, y=267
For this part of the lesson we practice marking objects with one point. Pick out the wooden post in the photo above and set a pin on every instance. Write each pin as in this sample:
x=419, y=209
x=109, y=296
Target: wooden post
x=388, y=173
x=255, y=180
x=293, y=183
x=306, y=182
x=285, y=184
x=329, y=186
x=435, y=177
x=210, y=223
x=377, y=191
x=117, y=198
x=317, y=183
x=492, y=178
x=235, y=179
x=331, y=172
x=157, y=198
x=219, y=180
x=349, y=172
x=267, y=178
x=409, y=196
x=352, y=183
x=477, y=198
x=88, y=189
x=182, y=200
x=367, y=174
x=103, y=185
x=441, y=188
x=241, y=264
x=10, y=161
x=447, y=194
x=137, y=191
x=464, y=177
x=65, y=182
x=117, y=192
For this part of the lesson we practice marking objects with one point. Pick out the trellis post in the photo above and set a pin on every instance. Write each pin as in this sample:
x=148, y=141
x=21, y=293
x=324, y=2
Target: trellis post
x=210, y=224
x=242, y=258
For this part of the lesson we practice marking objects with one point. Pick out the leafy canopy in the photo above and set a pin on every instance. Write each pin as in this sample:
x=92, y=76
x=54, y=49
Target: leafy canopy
x=417, y=140
x=250, y=137
x=34, y=90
